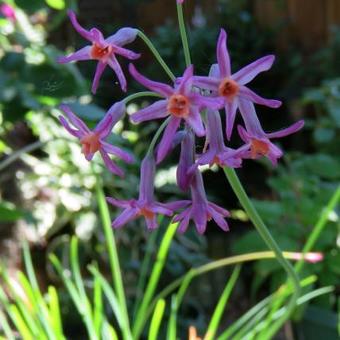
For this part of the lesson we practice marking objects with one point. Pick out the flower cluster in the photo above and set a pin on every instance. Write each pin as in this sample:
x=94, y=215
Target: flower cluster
x=192, y=107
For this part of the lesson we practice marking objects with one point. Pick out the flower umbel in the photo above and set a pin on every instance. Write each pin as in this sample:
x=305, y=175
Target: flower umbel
x=94, y=140
x=103, y=50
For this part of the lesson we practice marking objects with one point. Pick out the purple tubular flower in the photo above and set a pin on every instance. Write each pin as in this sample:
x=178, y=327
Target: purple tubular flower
x=218, y=153
x=103, y=50
x=146, y=205
x=231, y=87
x=94, y=140
x=257, y=141
x=201, y=210
x=186, y=160
x=179, y=102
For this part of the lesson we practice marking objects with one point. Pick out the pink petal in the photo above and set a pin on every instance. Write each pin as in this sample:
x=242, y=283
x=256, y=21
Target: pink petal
x=218, y=218
x=123, y=36
x=163, y=89
x=250, y=118
x=126, y=53
x=99, y=71
x=208, y=83
x=118, y=203
x=114, y=150
x=195, y=121
x=185, y=85
x=248, y=94
x=82, y=54
x=110, y=164
x=249, y=72
x=66, y=125
x=83, y=32
x=230, y=112
x=288, y=131
x=154, y=111
x=151, y=223
x=77, y=122
x=215, y=71
x=223, y=58
x=126, y=216
x=167, y=138
x=114, y=64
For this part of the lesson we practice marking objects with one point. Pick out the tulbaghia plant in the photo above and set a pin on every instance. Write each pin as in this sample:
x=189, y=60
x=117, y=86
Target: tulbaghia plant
x=191, y=106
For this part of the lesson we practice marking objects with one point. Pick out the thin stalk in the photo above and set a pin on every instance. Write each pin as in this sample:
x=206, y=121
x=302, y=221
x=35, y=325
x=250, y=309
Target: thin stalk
x=156, y=54
x=137, y=95
x=271, y=243
x=319, y=226
x=113, y=258
x=260, y=255
x=183, y=33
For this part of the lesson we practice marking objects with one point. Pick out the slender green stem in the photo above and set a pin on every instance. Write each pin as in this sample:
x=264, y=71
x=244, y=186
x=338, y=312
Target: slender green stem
x=228, y=261
x=113, y=258
x=156, y=136
x=271, y=243
x=319, y=226
x=156, y=54
x=137, y=95
x=183, y=33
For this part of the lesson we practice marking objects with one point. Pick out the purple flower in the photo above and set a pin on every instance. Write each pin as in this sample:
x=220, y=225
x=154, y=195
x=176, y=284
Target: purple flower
x=179, y=102
x=8, y=11
x=103, y=50
x=257, y=141
x=186, y=161
x=94, y=140
x=146, y=205
x=218, y=153
x=231, y=87
x=201, y=210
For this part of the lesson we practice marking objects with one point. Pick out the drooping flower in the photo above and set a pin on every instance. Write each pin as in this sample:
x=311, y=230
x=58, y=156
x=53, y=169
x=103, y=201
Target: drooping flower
x=8, y=12
x=94, y=140
x=146, y=205
x=179, y=102
x=217, y=152
x=257, y=141
x=103, y=50
x=231, y=87
x=200, y=210
x=186, y=160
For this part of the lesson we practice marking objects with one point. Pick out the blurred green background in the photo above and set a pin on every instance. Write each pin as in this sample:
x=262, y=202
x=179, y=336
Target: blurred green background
x=48, y=194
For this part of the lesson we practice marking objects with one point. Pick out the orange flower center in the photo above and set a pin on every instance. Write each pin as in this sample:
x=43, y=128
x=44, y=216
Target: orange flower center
x=98, y=52
x=258, y=147
x=178, y=105
x=228, y=88
x=147, y=213
x=216, y=161
x=90, y=143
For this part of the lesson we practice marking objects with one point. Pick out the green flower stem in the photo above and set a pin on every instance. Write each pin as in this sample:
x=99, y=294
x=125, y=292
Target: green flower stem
x=183, y=33
x=156, y=54
x=319, y=226
x=271, y=243
x=156, y=136
x=113, y=258
x=228, y=261
x=137, y=95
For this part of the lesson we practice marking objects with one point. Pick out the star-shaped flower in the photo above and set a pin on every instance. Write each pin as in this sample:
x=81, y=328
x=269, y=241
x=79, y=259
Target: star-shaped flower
x=94, y=140
x=103, y=50
x=180, y=103
x=145, y=205
x=257, y=141
x=231, y=86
